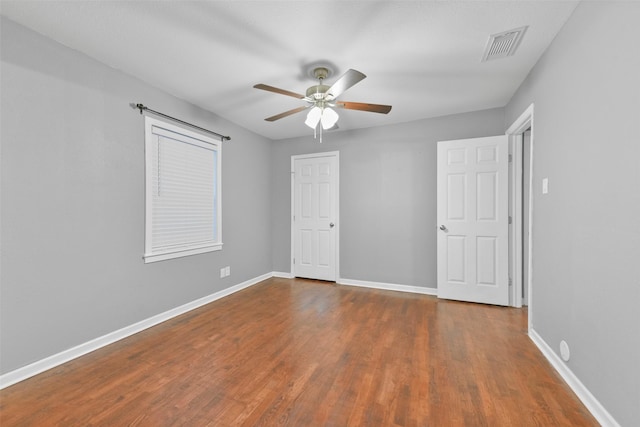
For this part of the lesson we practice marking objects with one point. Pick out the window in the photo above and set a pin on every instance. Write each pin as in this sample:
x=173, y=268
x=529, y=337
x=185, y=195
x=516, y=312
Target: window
x=182, y=196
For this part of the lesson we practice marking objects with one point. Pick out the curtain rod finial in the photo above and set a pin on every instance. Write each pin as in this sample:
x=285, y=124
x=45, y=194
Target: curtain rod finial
x=138, y=106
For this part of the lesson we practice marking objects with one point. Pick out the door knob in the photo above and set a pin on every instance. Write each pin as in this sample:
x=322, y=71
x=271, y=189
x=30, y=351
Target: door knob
x=332, y=225
x=443, y=228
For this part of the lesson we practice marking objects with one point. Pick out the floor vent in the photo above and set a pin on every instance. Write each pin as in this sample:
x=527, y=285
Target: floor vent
x=503, y=44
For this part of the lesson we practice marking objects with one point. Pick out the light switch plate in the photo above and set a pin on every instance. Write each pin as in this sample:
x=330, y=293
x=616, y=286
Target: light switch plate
x=545, y=185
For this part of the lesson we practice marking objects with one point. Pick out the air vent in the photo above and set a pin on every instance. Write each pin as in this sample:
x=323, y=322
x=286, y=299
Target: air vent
x=503, y=44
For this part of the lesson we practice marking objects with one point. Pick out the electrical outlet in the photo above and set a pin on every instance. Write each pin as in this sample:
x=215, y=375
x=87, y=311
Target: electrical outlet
x=227, y=271
x=222, y=272
x=545, y=185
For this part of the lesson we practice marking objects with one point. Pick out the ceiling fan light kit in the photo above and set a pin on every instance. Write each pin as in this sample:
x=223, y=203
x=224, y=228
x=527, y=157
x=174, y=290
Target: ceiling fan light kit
x=321, y=100
x=325, y=116
x=329, y=118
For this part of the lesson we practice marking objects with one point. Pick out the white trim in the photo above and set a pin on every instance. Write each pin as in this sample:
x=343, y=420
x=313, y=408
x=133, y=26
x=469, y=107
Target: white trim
x=521, y=124
x=335, y=154
x=47, y=363
x=282, y=275
x=515, y=212
x=292, y=252
x=593, y=405
x=388, y=286
x=171, y=254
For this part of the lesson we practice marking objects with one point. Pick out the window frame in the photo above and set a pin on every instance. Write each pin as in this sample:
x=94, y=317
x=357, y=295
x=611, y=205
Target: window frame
x=212, y=144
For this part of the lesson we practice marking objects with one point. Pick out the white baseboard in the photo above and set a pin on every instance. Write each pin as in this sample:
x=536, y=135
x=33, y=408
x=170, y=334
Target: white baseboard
x=593, y=405
x=282, y=274
x=47, y=363
x=388, y=286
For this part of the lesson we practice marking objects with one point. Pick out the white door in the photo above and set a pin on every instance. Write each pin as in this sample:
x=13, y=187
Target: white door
x=473, y=222
x=315, y=208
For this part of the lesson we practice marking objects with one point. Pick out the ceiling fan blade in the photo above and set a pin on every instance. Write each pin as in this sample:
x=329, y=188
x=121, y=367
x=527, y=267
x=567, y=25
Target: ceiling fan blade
x=374, y=108
x=348, y=79
x=277, y=90
x=285, y=114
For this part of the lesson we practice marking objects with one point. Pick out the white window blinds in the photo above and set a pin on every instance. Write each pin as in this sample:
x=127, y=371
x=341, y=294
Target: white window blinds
x=183, y=197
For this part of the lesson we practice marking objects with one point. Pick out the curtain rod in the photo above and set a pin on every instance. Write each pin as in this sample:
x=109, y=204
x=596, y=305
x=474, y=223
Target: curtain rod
x=144, y=108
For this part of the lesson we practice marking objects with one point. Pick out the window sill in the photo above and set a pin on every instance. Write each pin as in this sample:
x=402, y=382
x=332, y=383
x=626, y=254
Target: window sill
x=179, y=253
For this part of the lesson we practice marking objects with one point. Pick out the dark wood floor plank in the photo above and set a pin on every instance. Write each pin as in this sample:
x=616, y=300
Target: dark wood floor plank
x=307, y=353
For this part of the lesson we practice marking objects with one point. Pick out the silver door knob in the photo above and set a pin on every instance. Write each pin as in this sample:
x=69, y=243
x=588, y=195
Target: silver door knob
x=443, y=228
x=332, y=225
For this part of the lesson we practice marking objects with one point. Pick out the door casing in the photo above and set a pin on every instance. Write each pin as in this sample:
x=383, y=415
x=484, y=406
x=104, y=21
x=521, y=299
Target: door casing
x=515, y=132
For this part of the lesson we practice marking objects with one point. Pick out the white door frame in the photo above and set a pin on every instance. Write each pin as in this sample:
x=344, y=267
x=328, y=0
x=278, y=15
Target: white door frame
x=515, y=132
x=335, y=154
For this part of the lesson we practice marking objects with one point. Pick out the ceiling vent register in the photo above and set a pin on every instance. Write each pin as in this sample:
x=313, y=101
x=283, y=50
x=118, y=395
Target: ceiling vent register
x=503, y=44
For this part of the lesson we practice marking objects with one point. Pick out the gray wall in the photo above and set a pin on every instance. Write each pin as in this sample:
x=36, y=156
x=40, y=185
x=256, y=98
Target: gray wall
x=586, y=235
x=73, y=202
x=387, y=195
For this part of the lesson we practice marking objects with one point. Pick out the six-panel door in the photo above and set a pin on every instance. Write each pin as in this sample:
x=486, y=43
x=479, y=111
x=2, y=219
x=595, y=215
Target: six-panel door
x=315, y=217
x=473, y=220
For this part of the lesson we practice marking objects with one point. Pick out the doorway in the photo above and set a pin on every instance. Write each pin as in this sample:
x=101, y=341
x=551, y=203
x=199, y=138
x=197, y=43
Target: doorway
x=521, y=144
x=453, y=272
x=315, y=215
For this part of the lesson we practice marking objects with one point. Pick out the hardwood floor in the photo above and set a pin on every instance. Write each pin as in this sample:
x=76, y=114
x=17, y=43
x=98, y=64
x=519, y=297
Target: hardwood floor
x=306, y=353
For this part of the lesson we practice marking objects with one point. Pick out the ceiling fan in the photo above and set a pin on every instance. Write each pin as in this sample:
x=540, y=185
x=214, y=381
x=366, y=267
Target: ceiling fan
x=321, y=100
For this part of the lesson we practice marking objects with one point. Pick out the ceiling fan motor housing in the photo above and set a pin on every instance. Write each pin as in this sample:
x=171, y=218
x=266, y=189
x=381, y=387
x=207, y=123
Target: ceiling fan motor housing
x=317, y=92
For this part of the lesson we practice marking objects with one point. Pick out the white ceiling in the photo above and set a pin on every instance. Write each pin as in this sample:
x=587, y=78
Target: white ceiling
x=421, y=57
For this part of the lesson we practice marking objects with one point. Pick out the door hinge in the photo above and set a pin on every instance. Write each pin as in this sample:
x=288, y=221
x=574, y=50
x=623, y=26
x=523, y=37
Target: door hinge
x=510, y=281
x=510, y=158
x=510, y=219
